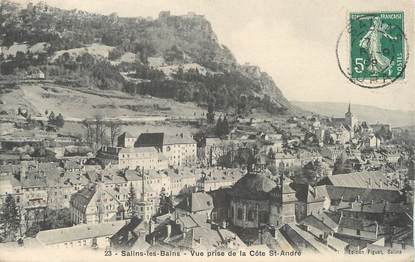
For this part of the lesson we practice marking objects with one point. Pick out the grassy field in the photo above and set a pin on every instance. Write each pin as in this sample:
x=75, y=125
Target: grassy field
x=141, y=113
x=77, y=104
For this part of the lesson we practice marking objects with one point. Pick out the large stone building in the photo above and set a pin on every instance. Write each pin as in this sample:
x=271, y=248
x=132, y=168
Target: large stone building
x=126, y=140
x=179, y=149
x=96, y=204
x=257, y=200
x=132, y=157
x=80, y=236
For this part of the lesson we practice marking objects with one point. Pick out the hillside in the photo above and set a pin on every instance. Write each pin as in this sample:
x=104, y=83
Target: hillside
x=173, y=57
x=78, y=104
x=363, y=112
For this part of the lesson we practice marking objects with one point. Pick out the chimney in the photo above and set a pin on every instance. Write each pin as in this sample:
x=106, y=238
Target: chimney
x=168, y=229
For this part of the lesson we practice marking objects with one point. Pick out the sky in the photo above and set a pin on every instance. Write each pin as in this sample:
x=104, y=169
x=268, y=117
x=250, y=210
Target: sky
x=293, y=41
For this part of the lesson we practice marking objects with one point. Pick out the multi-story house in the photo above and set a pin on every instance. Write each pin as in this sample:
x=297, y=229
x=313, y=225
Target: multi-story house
x=283, y=160
x=126, y=140
x=60, y=188
x=95, y=204
x=80, y=236
x=304, y=157
x=133, y=157
x=181, y=182
x=213, y=178
x=180, y=150
x=9, y=185
x=35, y=195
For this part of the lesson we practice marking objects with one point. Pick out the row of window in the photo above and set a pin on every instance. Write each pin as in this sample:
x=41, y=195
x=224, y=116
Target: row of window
x=251, y=215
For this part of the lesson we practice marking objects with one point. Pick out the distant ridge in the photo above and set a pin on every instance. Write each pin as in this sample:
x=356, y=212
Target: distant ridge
x=367, y=113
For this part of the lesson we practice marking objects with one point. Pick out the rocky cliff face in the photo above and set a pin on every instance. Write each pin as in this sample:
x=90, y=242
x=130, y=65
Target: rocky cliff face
x=151, y=47
x=191, y=34
x=194, y=35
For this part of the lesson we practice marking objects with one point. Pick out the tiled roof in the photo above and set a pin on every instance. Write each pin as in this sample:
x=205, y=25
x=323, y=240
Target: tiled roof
x=316, y=222
x=132, y=175
x=160, y=139
x=307, y=194
x=198, y=201
x=361, y=224
x=379, y=207
x=84, y=196
x=349, y=194
x=79, y=232
x=206, y=238
x=192, y=220
x=320, y=247
x=253, y=185
x=365, y=179
x=150, y=139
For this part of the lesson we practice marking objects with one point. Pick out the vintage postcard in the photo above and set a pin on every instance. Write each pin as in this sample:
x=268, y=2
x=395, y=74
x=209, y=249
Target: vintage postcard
x=208, y=130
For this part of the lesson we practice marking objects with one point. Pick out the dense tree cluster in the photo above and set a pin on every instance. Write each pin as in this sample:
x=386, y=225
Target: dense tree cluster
x=9, y=219
x=57, y=121
x=222, y=127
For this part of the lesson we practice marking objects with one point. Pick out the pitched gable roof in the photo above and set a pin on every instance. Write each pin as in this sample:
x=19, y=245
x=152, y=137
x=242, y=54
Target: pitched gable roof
x=79, y=232
x=150, y=139
x=199, y=201
x=160, y=139
x=349, y=194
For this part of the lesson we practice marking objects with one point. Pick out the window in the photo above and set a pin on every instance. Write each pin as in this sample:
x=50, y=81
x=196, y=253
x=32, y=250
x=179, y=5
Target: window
x=240, y=213
x=358, y=232
x=251, y=215
x=263, y=217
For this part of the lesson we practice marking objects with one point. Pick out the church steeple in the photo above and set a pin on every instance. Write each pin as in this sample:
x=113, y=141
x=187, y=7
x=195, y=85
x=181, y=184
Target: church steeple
x=349, y=111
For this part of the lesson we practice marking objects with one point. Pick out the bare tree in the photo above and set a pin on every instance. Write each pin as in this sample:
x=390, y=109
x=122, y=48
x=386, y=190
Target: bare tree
x=95, y=132
x=115, y=131
x=90, y=130
x=99, y=131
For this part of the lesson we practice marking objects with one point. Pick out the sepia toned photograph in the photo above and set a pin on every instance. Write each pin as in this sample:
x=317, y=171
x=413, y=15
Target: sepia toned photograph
x=207, y=130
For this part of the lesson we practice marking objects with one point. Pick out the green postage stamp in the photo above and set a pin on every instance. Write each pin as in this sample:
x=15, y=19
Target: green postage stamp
x=377, y=46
